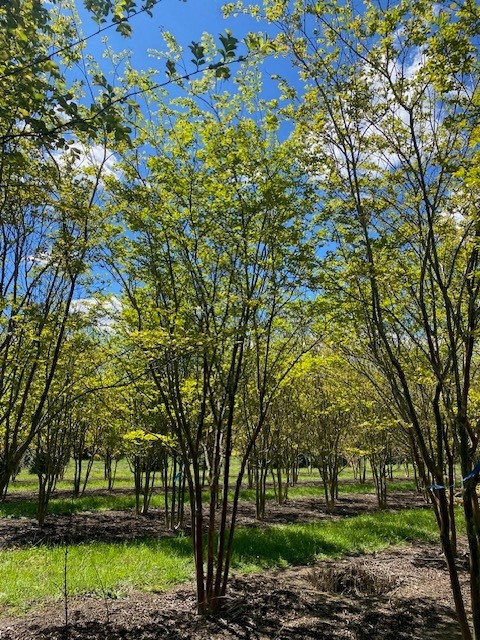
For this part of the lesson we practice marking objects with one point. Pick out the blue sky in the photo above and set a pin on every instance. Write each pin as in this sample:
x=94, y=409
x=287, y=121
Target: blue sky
x=185, y=20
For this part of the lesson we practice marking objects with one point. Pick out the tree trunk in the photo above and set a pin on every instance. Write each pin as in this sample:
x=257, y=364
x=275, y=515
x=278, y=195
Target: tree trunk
x=445, y=530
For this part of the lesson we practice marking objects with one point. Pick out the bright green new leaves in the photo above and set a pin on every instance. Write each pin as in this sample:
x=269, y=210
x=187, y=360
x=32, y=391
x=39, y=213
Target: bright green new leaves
x=31, y=83
x=391, y=132
x=220, y=243
x=38, y=44
x=220, y=219
x=50, y=232
x=216, y=263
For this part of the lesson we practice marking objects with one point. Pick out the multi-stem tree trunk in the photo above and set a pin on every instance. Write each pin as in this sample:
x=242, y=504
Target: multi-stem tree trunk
x=261, y=473
x=280, y=482
x=46, y=484
x=379, y=471
x=329, y=468
x=217, y=279
x=110, y=469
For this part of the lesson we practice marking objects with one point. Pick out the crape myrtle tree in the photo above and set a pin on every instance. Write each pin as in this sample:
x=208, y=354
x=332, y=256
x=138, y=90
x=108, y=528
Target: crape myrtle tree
x=76, y=420
x=374, y=436
x=49, y=456
x=275, y=451
x=50, y=226
x=215, y=267
x=38, y=44
x=384, y=436
x=285, y=429
x=92, y=427
x=49, y=221
x=47, y=206
x=145, y=456
x=50, y=450
x=112, y=447
x=146, y=441
x=97, y=416
x=327, y=405
x=390, y=114
x=374, y=410
x=277, y=448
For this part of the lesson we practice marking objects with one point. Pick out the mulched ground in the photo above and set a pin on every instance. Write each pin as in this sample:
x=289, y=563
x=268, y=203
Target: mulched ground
x=117, y=526
x=400, y=594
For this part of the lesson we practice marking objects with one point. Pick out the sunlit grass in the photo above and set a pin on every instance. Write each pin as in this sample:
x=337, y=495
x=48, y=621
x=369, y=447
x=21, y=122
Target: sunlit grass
x=33, y=575
x=316, y=490
x=369, y=487
x=283, y=545
x=30, y=576
x=25, y=481
x=19, y=506
x=124, y=477
x=65, y=506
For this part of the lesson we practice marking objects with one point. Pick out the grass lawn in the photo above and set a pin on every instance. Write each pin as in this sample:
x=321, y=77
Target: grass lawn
x=25, y=481
x=31, y=576
x=22, y=507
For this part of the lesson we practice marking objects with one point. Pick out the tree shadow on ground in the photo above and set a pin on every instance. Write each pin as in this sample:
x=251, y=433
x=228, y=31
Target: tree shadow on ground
x=255, y=610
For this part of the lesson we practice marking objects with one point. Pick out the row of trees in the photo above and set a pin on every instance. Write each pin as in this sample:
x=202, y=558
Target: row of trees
x=392, y=92
x=248, y=236
x=311, y=423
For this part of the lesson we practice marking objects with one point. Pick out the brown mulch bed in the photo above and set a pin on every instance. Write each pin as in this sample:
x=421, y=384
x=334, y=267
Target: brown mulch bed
x=117, y=526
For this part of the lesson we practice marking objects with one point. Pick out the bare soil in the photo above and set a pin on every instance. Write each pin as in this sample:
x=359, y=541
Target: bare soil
x=400, y=594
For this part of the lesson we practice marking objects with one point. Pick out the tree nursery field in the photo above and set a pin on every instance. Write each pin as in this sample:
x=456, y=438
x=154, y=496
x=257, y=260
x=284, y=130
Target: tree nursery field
x=239, y=319
x=96, y=569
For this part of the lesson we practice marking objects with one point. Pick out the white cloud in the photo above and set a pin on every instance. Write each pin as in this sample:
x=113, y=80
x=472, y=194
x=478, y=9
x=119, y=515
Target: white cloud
x=83, y=305
x=91, y=161
x=374, y=139
x=105, y=312
x=97, y=157
x=41, y=258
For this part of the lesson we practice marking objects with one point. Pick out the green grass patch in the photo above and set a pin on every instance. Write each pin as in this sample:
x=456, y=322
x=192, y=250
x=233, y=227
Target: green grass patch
x=25, y=481
x=300, y=490
x=31, y=576
x=297, y=492
x=369, y=487
x=297, y=544
x=18, y=508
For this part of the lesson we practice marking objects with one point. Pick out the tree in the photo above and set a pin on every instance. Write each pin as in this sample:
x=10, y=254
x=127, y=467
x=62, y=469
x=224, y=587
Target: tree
x=49, y=458
x=277, y=447
x=145, y=453
x=389, y=115
x=49, y=218
x=50, y=227
x=147, y=442
x=327, y=405
x=215, y=275
x=38, y=45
